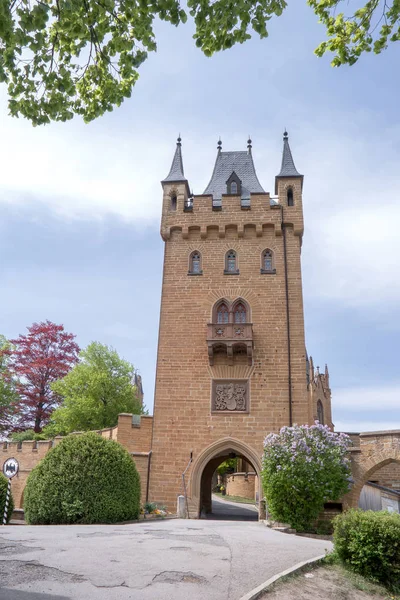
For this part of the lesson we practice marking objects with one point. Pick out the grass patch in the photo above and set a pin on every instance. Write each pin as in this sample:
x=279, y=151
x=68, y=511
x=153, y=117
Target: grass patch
x=331, y=580
x=358, y=581
x=235, y=498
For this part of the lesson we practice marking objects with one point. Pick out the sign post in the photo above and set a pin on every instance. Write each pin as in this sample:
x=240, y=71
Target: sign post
x=10, y=469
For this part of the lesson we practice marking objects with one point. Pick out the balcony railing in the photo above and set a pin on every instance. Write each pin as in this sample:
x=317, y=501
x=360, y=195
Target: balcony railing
x=232, y=336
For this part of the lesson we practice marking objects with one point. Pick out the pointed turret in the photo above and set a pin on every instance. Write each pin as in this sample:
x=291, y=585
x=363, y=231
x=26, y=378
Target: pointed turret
x=176, y=172
x=288, y=169
x=327, y=376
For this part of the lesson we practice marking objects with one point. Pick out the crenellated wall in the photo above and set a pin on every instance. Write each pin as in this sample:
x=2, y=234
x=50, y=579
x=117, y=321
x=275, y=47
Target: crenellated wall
x=136, y=438
x=204, y=221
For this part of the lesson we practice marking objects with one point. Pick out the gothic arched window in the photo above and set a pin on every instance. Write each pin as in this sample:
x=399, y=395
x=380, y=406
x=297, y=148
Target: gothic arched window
x=173, y=202
x=267, y=261
x=231, y=262
x=320, y=412
x=234, y=187
x=195, y=263
x=239, y=313
x=290, y=201
x=222, y=313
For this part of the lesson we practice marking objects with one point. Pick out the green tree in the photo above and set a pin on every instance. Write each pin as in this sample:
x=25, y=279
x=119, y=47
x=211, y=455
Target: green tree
x=228, y=466
x=8, y=393
x=65, y=57
x=303, y=467
x=94, y=392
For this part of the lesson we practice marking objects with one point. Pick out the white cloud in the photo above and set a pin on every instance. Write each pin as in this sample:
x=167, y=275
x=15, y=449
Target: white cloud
x=368, y=398
x=364, y=426
x=366, y=408
x=351, y=206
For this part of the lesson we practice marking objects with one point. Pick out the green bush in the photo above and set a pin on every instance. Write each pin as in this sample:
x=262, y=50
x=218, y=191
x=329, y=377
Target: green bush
x=304, y=467
x=84, y=479
x=369, y=543
x=3, y=494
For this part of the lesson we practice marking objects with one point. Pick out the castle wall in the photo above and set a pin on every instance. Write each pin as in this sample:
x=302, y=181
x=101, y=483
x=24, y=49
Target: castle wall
x=136, y=439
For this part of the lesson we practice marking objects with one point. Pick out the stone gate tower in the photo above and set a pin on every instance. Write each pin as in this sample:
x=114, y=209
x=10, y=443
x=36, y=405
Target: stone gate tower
x=232, y=362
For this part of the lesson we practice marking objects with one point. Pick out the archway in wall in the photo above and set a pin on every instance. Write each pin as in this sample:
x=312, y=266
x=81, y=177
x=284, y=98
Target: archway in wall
x=384, y=475
x=204, y=479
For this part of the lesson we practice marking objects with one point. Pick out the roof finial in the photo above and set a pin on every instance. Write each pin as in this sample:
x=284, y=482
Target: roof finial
x=249, y=144
x=219, y=146
x=178, y=141
x=285, y=135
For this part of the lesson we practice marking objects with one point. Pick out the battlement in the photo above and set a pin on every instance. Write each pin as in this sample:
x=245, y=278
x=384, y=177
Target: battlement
x=42, y=446
x=132, y=431
x=234, y=197
x=206, y=220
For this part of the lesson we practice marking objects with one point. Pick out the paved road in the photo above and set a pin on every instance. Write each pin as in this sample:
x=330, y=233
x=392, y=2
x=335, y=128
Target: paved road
x=154, y=560
x=232, y=511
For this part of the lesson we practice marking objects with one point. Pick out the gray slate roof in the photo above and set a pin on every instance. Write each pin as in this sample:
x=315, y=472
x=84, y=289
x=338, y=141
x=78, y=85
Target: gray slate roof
x=242, y=163
x=176, y=171
x=287, y=168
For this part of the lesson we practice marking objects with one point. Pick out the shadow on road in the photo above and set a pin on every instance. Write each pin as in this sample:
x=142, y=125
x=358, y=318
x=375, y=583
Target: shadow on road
x=223, y=510
x=8, y=594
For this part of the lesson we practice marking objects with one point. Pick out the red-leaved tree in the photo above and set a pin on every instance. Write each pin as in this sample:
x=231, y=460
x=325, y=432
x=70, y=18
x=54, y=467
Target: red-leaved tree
x=37, y=359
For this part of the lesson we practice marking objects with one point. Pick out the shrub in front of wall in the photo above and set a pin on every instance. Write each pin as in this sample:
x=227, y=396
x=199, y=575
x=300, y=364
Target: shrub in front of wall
x=3, y=494
x=369, y=543
x=304, y=467
x=84, y=479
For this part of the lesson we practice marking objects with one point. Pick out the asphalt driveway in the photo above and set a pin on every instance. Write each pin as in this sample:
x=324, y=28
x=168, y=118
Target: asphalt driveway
x=154, y=560
x=232, y=511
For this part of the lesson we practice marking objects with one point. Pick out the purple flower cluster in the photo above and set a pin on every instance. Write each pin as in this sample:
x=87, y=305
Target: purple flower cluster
x=316, y=447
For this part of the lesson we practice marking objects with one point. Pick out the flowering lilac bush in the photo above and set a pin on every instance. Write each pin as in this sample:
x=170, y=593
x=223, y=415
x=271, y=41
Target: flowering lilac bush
x=303, y=467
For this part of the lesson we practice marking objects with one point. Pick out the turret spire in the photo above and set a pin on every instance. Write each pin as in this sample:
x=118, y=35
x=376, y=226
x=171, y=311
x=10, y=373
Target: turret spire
x=176, y=172
x=288, y=168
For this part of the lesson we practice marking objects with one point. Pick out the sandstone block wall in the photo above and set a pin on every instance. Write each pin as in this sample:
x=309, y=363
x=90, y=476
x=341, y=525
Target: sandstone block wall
x=241, y=484
x=388, y=476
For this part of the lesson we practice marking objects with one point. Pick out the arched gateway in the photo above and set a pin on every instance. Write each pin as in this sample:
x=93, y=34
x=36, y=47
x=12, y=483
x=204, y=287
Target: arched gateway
x=204, y=466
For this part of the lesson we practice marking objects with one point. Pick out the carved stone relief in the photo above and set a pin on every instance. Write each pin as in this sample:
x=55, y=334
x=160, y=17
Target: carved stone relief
x=230, y=396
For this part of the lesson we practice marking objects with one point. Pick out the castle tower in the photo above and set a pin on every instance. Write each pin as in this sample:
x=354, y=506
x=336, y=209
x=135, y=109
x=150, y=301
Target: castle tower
x=231, y=364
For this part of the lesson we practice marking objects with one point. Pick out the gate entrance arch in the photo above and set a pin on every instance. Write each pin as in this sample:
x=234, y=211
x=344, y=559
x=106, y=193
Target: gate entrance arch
x=209, y=459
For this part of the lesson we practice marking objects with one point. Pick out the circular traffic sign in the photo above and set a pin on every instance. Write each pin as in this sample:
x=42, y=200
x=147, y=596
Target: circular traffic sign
x=10, y=467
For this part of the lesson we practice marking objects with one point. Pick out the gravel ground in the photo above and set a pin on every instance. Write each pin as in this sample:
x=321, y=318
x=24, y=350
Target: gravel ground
x=326, y=583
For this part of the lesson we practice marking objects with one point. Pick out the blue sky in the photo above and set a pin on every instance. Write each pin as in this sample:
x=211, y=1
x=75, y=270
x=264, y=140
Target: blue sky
x=80, y=204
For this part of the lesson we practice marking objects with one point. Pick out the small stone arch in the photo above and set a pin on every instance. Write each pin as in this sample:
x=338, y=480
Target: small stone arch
x=364, y=468
x=217, y=449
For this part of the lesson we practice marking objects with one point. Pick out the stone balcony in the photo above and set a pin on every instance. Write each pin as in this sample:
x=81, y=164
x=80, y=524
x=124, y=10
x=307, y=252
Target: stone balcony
x=232, y=338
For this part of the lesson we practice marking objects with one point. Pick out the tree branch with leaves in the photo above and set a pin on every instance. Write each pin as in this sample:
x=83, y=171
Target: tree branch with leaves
x=61, y=58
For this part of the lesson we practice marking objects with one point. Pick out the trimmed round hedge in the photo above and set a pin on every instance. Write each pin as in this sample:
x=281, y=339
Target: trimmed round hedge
x=84, y=479
x=3, y=495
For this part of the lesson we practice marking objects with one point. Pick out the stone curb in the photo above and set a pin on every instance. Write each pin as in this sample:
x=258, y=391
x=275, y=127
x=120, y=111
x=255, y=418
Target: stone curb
x=256, y=592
